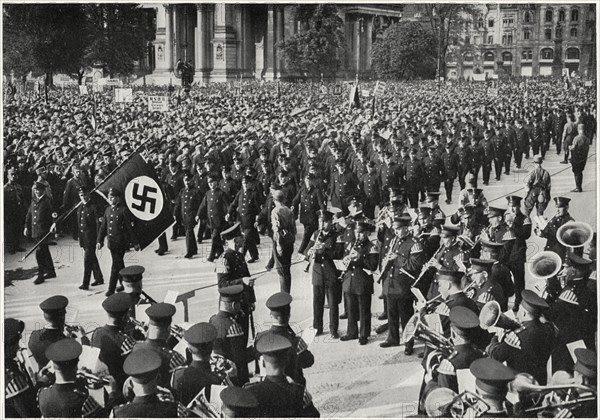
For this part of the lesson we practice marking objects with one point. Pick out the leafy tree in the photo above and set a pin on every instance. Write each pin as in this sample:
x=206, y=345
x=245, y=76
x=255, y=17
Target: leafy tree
x=406, y=50
x=316, y=48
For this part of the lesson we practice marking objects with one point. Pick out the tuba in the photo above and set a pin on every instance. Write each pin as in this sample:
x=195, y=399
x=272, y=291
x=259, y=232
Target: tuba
x=491, y=316
x=574, y=234
x=444, y=402
x=416, y=328
x=545, y=264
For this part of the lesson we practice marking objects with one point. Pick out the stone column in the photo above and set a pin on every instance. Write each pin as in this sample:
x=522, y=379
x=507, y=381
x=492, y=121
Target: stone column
x=357, y=51
x=168, y=37
x=176, y=37
x=224, y=44
x=202, y=29
x=279, y=36
x=270, y=44
x=369, y=40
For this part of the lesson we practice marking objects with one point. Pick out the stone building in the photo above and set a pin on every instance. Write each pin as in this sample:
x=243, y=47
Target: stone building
x=228, y=41
x=526, y=40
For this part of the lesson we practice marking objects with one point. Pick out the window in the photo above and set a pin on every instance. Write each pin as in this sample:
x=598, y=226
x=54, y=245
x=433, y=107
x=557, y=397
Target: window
x=491, y=23
x=548, y=15
x=573, y=32
x=547, y=54
x=506, y=56
x=490, y=39
x=526, y=55
x=548, y=34
x=561, y=16
x=480, y=23
x=574, y=15
x=526, y=35
x=488, y=56
x=508, y=21
x=558, y=33
x=527, y=17
x=572, y=54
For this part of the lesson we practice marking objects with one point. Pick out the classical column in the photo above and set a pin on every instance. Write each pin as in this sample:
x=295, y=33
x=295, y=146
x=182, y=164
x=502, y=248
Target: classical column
x=270, y=44
x=168, y=37
x=279, y=36
x=202, y=41
x=357, y=51
x=224, y=44
x=369, y=41
x=175, y=35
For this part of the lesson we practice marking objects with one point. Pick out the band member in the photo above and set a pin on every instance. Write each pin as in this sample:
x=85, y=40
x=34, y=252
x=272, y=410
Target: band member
x=38, y=222
x=527, y=348
x=586, y=373
x=88, y=221
x=238, y=403
x=521, y=228
x=561, y=217
x=361, y=255
x=499, y=273
x=491, y=382
x=483, y=288
x=538, y=185
x=432, y=199
x=498, y=231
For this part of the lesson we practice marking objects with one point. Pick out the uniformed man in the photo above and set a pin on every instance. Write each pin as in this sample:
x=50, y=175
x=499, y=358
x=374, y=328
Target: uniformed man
x=186, y=209
x=521, y=228
x=70, y=197
x=38, y=222
x=143, y=367
x=450, y=161
x=561, y=217
x=414, y=177
x=213, y=208
x=370, y=187
x=476, y=156
x=114, y=344
x=361, y=259
x=20, y=400
x=432, y=199
x=307, y=203
x=68, y=397
x=586, y=373
x=487, y=146
x=499, y=232
x=238, y=403
x=88, y=220
x=117, y=227
x=434, y=170
x=278, y=395
x=231, y=342
x=174, y=185
x=204, y=370
x=528, y=348
x=538, y=188
x=483, y=288
x=343, y=185
x=14, y=208
x=463, y=154
x=522, y=143
x=245, y=207
x=491, y=382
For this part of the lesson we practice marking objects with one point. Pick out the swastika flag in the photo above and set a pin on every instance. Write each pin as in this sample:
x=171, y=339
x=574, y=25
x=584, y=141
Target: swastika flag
x=142, y=194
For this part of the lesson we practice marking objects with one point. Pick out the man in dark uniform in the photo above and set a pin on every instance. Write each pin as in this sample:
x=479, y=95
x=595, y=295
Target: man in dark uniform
x=488, y=156
x=321, y=251
x=521, y=228
x=174, y=184
x=117, y=227
x=522, y=143
x=343, y=185
x=229, y=185
x=245, y=207
x=586, y=373
x=39, y=221
x=14, y=208
x=450, y=161
x=186, y=209
x=88, y=221
x=528, y=348
x=78, y=181
x=307, y=204
x=278, y=396
x=113, y=342
x=143, y=366
x=491, y=382
x=498, y=231
x=414, y=177
x=370, y=187
x=68, y=397
x=213, y=209
x=499, y=273
x=500, y=152
x=238, y=403
x=579, y=153
x=549, y=232
x=476, y=158
x=463, y=153
x=19, y=388
x=434, y=170
x=536, y=136
x=484, y=288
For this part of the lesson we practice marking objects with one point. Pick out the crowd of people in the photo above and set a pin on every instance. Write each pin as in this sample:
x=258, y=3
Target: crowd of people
x=243, y=164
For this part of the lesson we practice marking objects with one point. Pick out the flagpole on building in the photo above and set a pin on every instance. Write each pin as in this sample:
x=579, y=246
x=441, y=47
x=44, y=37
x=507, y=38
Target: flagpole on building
x=68, y=213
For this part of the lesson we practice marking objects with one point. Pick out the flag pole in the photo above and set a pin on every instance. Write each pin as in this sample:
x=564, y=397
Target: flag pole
x=68, y=213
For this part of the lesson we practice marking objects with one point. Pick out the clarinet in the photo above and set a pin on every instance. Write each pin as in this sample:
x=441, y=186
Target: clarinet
x=311, y=253
x=349, y=258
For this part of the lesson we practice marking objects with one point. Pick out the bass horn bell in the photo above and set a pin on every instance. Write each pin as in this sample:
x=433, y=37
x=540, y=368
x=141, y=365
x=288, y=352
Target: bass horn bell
x=545, y=264
x=574, y=234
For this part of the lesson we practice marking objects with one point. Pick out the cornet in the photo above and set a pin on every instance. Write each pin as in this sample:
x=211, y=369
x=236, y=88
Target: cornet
x=92, y=379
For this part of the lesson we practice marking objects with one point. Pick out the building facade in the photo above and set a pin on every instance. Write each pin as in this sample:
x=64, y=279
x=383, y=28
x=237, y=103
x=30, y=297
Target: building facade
x=526, y=40
x=229, y=41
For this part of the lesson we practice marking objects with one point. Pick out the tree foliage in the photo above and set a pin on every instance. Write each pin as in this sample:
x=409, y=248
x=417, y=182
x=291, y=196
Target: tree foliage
x=407, y=50
x=317, y=47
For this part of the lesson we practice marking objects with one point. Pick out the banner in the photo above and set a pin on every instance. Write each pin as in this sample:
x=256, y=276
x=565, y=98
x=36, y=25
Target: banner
x=479, y=77
x=492, y=92
x=158, y=103
x=337, y=90
x=112, y=82
x=379, y=88
x=353, y=99
x=83, y=90
x=147, y=202
x=124, y=95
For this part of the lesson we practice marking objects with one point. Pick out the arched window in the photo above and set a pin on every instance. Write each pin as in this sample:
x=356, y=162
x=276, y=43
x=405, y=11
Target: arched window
x=488, y=56
x=561, y=16
x=547, y=54
x=574, y=15
x=548, y=34
x=527, y=17
x=506, y=56
x=573, y=32
x=548, y=15
x=558, y=33
x=573, y=53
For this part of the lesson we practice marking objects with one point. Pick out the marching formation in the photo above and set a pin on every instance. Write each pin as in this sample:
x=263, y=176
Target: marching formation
x=365, y=187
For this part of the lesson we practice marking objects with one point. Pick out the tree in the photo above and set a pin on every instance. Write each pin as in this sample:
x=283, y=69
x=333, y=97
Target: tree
x=406, y=50
x=316, y=48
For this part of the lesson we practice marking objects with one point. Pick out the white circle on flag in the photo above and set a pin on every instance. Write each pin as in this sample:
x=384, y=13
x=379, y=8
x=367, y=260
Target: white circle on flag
x=144, y=198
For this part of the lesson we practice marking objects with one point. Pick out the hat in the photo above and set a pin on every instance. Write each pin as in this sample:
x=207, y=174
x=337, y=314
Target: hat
x=114, y=192
x=491, y=246
x=449, y=275
x=402, y=220
x=40, y=186
x=363, y=226
x=495, y=212
x=449, y=230
x=271, y=343
x=537, y=159
x=232, y=232
x=474, y=191
x=231, y=293
x=491, y=376
x=200, y=333
x=587, y=363
x=63, y=350
x=160, y=313
x=472, y=180
x=12, y=330
x=532, y=302
x=239, y=400
x=396, y=196
x=56, y=303
x=119, y=302
x=213, y=177
x=478, y=265
x=514, y=200
x=433, y=196
x=142, y=362
x=463, y=318
x=424, y=211
x=278, y=301
x=326, y=215
x=561, y=201
x=132, y=274
x=577, y=262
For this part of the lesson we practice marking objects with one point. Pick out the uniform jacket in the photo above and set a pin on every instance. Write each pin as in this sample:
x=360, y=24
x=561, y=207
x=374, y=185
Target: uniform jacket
x=146, y=406
x=88, y=222
x=414, y=174
x=280, y=397
x=247, y=206
x=117, y=227
x=410, y=257
x=323, y=271
x=68, y=400
x=39, y=217
x=549, y=232
x=213, y=208
x=356, y=280
x=186, y=206
x=188, y=381
x=114, y=347
x=307, y=203
x=40, y=340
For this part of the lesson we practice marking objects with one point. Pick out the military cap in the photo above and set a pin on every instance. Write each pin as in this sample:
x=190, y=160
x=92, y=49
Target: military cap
x=278, y=301
x=514, y=200
x=491, y=376
x=247, y=178
x=491, y=246
x=463, y=318
x=467, y=209
x=232, y=232
x=142, y=362
x=84, y=190
x=12, y=330
x=587, y=363
x=532, y=302
x=114, y=192
x=396, y=196
x=160, y=314
x=40, y=186
x=119, y=302
x=576, y=261
x=478, y=265
x=231, y=293
x=537, y=159
x=474, y=191
x=495, y=212
x=275, y=186
x=272, y=343
x=363, y=226
x=402, y=220
x=424, y=211
x=413, y=151
x=471, y=180
x=449, y=230
x=449, y=275
x=132, y=274
x=200, y=333
x=187, y=175
x=64, y=350
x=561, y=201
x=56, y=303
x=241, y=401
x=213, y=177
x=433, y=196
x=326, y=215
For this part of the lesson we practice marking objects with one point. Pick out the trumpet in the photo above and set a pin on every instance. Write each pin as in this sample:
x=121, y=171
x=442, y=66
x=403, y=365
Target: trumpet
x=92, y=379
x=176, y=330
